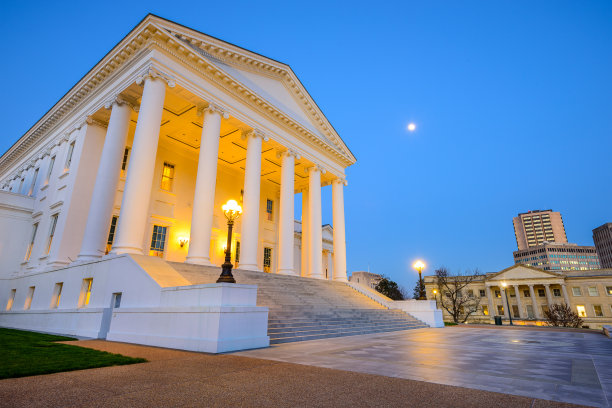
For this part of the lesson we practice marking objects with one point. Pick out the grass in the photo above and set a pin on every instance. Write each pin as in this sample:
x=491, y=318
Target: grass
x=24, y=353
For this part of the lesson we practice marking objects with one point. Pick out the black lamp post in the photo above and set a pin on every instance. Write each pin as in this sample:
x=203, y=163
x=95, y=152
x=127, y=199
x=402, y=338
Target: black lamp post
x=232, y=211
x=508, y=302
x=419, y=266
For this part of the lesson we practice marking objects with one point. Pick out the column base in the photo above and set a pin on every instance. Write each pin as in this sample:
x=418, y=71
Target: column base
x=249, y=267
x=317, y=276
x=87, y=258
x=340, y=279
x=126, y=250
x=197, y=260
x=289, y=272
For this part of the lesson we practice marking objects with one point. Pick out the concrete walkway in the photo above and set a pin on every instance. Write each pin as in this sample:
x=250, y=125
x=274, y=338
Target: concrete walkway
x=558, y=365
x=181, y=379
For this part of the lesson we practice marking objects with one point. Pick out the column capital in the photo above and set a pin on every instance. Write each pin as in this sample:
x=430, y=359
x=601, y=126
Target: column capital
x=287, y=152
x=152, y=72
x=531, y=285
x=315, y=167
x=121, y=100
x=254, y=133
x=546, y=285
x=91, y=121
x=340, y=180
x=212, y=108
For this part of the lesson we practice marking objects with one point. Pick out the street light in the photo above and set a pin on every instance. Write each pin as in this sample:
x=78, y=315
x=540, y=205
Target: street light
x=504, y=284
x=435, y=293
x=232, y=210
x=419, y=266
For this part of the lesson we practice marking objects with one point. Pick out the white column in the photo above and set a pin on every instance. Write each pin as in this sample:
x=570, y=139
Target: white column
x=204, y=195
x=549, y=297
x=249, y=239
x=315, y=245
x=565, y=295
x=517, y=293
x=135, y=202
x=286, y=214
x=105, y=188
x=492, y=311
x=339, y=230
x=305, y=266
x=534, y=303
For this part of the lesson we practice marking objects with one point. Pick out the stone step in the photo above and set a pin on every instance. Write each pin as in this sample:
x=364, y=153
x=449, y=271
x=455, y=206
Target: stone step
x=331, y=335
x=340, y=330
x=284, y=331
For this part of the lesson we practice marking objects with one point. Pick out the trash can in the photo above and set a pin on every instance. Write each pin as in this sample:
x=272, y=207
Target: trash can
x=498, y=320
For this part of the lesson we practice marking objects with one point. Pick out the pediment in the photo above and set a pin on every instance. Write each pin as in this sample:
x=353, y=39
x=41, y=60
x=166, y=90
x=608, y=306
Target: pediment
x=518, y=272
x=271, y=81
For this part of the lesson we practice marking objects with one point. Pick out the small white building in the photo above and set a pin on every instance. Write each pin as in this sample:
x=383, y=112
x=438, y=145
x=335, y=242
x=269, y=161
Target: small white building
x=130, y=170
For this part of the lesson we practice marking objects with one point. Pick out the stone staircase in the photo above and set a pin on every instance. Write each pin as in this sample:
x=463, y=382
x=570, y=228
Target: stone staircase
x=309, y=309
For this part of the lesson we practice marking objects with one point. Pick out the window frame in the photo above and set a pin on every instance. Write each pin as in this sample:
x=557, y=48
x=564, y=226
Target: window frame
x=164, y=177
x=69, y=156
x=52, y=227
x=574, y=291
x=154, y=248
x=30, y=247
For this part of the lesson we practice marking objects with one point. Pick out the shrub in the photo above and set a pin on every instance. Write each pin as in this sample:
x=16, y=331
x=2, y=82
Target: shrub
x=561, y=315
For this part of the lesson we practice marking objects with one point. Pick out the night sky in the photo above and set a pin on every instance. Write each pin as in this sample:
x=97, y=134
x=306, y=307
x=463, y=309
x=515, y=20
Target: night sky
x=512, y=101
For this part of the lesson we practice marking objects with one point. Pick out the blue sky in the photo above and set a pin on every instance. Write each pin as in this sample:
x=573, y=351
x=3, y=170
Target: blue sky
x=512, y=99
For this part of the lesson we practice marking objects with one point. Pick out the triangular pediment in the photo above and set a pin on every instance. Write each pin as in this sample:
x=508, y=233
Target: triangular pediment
x=518, y=272
x=271, y=81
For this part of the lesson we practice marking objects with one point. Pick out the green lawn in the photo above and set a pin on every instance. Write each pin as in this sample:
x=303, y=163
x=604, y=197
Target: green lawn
x=25, y=353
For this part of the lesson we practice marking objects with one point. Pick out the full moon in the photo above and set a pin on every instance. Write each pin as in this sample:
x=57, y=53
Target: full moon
x=411, y=127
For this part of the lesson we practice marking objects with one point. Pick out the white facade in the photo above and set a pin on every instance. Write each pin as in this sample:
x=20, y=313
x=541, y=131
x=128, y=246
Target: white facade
x=138, y=158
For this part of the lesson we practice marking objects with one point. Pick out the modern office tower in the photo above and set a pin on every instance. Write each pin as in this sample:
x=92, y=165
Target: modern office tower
x=552, y=256
x=533, y=228
x=602, y=237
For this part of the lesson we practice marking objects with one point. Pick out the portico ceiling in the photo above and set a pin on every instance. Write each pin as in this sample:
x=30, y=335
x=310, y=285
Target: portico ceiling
x=181, y=126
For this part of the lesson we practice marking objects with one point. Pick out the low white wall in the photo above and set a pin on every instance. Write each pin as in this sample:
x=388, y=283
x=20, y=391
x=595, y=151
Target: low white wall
x=424, y=310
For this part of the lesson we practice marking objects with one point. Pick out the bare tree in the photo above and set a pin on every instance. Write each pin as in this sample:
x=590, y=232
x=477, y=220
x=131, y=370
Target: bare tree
x=562, y=315
x=458, y=301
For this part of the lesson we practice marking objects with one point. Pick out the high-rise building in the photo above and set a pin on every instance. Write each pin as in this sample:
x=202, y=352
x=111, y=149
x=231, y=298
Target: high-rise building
x=602, y=237
x=533, y=228
x=552, y=256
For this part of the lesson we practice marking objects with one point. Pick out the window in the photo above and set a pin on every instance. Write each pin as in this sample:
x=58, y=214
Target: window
x=167, y=177
x=69, y=156
x=530, y=314
x=57, y=294
x=515, y=311
x=598, y=311
x=28, y=301
x=158, y=241
x=33, y=184
x=511, y=292
x=116, y=300
x=485, y=310
x=85, y=292
x=50, y=169
x=541, y=293
x=482, y=293
x=544, y=310
x=497, y=294
x=593, y=291
x=11, y=299
x=269, y=206
x=267, y=261
x=500, y=310
x=31, y=243
x=557, y=292
x=237, y=255
x=51, y=232
x=470, y=293
x=581, y=310
x=111, y=234
x=576, y=291
x=124, y=162
x=526, y=293
x=609, y=290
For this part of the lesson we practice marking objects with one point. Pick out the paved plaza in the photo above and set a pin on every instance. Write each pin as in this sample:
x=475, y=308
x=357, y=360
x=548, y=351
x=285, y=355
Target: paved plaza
x=574, y=367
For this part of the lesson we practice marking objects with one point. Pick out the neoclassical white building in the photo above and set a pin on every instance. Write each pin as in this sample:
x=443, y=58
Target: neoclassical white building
x=138, y=158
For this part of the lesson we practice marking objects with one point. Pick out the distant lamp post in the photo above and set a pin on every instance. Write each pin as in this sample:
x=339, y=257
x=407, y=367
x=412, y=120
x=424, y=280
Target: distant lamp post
x=232, y=210
x=435, y=293
x=505, y=285
x=419, y=266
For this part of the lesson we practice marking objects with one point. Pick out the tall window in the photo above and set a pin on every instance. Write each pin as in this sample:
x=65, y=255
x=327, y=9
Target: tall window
x=576, y=291
x=50, y=169
x=28, y=301
x=111, y=235
x=85, y=292
x=11, y=299
x=124, y=163
x=69, y=156
x=557, y=292
x=500, y=310
x=167, y=177
x=51, y=232
x=267, y=261
x=593, y=291
x=581, y=310
x=485, y=310
x=57, y=295
x=31, y=244
x=269, y=207
x=158, y=240
x=33, y=184
x=237, y=255
x=598, y=311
